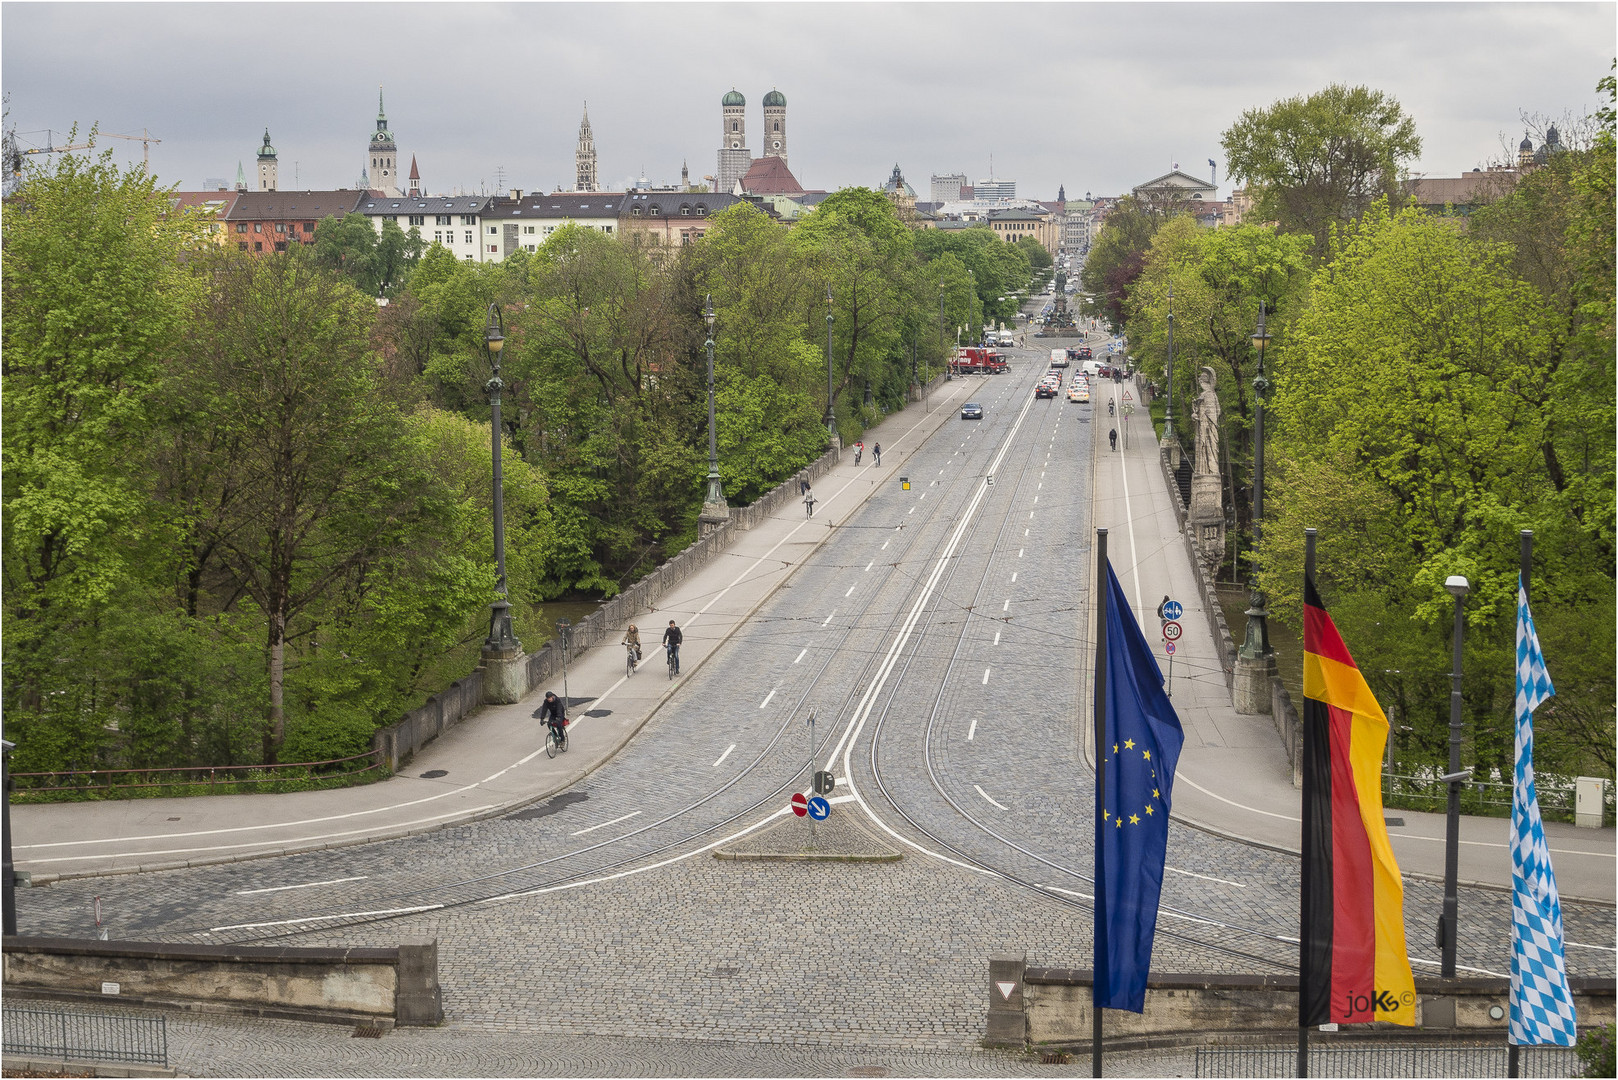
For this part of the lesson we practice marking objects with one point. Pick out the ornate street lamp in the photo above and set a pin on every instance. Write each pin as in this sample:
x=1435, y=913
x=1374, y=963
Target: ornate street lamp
x=714, y=508
x=501, y=642
x=831, y=416
x=1256, y=646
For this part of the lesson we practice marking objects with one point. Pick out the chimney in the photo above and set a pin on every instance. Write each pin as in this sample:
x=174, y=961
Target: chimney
x=516, y=193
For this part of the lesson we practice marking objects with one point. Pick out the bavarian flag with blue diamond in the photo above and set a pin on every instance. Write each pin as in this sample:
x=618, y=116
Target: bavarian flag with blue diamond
x=1541, y=1006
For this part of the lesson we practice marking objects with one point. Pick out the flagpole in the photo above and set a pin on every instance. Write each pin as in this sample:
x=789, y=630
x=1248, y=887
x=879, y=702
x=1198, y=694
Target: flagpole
x=1525, y=556
x=1103, y=593
x=1305, y=934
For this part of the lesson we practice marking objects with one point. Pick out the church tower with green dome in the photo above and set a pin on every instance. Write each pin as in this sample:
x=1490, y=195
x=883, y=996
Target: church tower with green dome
x=734, y=157
x=775, y=125
x=268, y=168
x=384, y=154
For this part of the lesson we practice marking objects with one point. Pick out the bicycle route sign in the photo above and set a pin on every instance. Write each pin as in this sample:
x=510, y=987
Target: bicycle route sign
x=819, y=808
x=800, y=804
x=1171, y=631
x=1172, y=609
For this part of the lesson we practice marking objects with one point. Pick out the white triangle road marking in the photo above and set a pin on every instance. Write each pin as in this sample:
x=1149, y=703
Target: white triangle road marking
x=1005, y=990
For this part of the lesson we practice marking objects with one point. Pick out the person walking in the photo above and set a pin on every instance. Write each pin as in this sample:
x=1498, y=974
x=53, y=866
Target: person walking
x=876, y=454
x=1112, y=437
x=803, y=485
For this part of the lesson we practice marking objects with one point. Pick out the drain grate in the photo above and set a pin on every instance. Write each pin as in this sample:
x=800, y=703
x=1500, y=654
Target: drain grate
x=365, y=1031
x=1059, y=1057
x=726, y=972
x=434, y=774
x=1394, y=822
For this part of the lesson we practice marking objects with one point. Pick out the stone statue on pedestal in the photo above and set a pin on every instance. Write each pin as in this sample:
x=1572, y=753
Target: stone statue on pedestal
x=1206, y=516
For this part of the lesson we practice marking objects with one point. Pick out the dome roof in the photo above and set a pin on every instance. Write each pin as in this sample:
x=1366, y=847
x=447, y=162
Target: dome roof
x=775, y=99
x=266, y=150
x=1526, y=144
x=733, y=98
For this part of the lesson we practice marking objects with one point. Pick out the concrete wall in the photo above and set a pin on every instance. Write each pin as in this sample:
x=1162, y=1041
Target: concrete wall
x=399, y=742
x=1055, y=1007
x=1205, y=589
x=334, y=985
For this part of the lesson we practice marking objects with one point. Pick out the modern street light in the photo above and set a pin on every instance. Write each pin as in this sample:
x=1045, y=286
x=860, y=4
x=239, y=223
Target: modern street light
x=501, y=642
x=1256, y=646
x=831, y=415
x=1457, y=587
x=714, y=508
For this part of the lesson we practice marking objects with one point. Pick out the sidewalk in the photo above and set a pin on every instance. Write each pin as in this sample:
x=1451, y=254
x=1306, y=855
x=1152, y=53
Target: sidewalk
x=1233, y=777
x=493, y=762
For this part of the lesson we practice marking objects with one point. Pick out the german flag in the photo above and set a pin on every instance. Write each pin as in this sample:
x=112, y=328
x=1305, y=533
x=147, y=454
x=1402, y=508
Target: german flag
x=1354, y=968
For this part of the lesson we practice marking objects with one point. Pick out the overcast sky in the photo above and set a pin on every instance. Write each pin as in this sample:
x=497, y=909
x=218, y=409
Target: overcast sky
x=1098, y=97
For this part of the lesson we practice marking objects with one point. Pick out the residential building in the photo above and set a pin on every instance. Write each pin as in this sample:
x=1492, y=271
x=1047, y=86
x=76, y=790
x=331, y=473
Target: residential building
x=212, y=205
x=674, y=219
x=524, y=222
x=455, y=222
x=264, y=221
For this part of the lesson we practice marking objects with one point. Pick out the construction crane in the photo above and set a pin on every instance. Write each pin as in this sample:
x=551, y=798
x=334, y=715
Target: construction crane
x=14, y=154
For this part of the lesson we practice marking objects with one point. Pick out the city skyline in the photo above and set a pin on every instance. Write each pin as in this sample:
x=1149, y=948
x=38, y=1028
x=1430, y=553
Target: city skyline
x=936, y=88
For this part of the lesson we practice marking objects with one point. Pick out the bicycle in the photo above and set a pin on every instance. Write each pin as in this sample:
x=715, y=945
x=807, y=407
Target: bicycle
x=674, y=661
x=555, y=739
x=631, y=658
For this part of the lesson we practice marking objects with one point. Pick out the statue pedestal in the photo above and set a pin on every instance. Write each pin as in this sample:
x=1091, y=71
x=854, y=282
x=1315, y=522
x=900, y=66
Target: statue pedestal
x=1206, y=518
x=712, y=517
x=505, y=676
x=1252, y=684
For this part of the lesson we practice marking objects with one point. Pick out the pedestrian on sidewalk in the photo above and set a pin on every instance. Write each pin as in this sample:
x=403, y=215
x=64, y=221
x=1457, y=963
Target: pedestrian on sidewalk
x=876, y=454
x=1112, y=437
x=1160, y=607
x=803, y=484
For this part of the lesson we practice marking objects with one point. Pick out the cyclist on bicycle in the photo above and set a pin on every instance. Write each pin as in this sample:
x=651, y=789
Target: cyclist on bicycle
x=672, y=638
x=859, y=448
x=554, y=713
x=632, y=639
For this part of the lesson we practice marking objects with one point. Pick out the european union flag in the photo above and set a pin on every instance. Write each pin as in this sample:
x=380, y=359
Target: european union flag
x=1141, y=744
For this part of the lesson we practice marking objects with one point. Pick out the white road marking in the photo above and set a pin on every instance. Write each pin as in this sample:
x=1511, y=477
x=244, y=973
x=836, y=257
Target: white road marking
x=885, y=545
x=1036, y=498
x=985, y=676
x=306, y=885
x=1025, y=531
x=626, y=817
x=997, y=637
x=321, y=918
x=1014, y=575
x=1007, y=605
x=912, y=510
x=971, y=731
x=1030, y=515
x=767, y=698
x=801, y=656
x=849, y=593
x=1020, y=551
x=985, y=794
x=871, y=564
x=1204, y=877
x=923, y=496
x=829, y=617
x=725, y=755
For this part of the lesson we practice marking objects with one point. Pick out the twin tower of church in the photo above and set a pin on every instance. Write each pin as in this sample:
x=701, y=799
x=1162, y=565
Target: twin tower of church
x=735, y=159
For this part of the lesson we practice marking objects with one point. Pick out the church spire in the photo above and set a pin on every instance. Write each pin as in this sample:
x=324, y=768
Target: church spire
x=584, y=158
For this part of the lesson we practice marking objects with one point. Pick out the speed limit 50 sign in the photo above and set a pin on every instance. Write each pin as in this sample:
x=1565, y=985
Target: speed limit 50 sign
x=1171, y=631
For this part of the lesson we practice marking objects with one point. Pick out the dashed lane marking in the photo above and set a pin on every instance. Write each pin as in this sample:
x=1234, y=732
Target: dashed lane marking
x=985, y=794
x=626, y=817
x=767, y=698
x=985, y=676
x=801, y=655
x=725, y=755
x=971, y=731
x=829, y=617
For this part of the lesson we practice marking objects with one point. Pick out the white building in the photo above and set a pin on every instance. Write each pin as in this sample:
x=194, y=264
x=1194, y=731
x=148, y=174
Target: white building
x=524, y=222
x=454, y=222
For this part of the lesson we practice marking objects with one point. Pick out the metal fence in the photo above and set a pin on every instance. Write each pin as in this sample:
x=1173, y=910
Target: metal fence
x=1386, y=1061
x=68, y=1035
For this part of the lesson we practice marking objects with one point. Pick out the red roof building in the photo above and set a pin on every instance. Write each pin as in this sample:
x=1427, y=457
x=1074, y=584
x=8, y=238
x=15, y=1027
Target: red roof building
x=770, y=176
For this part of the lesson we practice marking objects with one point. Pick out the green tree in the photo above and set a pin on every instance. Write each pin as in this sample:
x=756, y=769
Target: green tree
x=95, y=293
x=1318, y=162
x=1117, y=258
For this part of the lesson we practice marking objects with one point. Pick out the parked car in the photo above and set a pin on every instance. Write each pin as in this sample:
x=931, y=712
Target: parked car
x=971, y=411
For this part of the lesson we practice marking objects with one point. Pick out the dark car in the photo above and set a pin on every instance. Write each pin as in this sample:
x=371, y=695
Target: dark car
x=971, y=411
x=1085, y=353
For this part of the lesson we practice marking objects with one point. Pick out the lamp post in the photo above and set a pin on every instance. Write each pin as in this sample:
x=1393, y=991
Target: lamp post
x=501, y=643
x=1457, y=587
x=1168, y=414
x=714, y=508
x=831, y=415
x=1256, y=646
x=8, y=883
x=564, y=628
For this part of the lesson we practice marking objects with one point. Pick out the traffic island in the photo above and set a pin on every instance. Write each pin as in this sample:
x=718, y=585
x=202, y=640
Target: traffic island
x=840, y=838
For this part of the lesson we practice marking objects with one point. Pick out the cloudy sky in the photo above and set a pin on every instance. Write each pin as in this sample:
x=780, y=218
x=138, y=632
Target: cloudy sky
x=1095, y=96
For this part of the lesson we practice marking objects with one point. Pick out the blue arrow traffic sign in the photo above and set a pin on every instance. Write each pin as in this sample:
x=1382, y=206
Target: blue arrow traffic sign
x=1172, y=610
x=819, y=808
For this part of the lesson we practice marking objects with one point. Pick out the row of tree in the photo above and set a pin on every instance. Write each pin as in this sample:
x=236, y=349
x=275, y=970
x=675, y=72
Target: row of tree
x=247, y=508
x=1439, y=382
